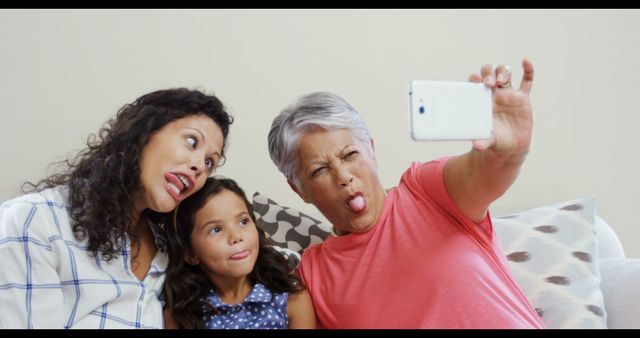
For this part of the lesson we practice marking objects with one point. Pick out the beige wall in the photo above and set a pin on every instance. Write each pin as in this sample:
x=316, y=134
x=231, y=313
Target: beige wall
x=64, y=72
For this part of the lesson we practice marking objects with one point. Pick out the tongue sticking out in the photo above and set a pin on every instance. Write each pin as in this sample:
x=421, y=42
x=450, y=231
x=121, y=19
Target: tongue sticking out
x=357, y=203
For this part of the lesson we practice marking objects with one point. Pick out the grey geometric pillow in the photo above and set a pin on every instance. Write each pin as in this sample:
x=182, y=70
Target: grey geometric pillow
x=292, y=258
x=287, y=227
x=552, y=251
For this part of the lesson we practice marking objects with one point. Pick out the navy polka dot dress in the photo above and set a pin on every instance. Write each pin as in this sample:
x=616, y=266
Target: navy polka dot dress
x=260, y=310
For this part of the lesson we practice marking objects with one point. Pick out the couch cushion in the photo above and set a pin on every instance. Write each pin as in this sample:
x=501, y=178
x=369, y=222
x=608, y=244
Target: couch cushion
x=287, y=227
x=609, y=244
x=620, y=280
x=552, y=251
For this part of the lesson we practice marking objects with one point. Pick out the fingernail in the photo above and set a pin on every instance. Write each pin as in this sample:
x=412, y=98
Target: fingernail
x=500, y=77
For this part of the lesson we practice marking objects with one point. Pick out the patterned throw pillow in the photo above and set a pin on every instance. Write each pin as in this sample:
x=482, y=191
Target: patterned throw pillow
x=286, y=227
x=552, y=251
x=293, y=258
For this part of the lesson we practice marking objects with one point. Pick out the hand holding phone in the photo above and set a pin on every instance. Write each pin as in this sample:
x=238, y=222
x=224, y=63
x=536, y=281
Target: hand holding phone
x=450, y=110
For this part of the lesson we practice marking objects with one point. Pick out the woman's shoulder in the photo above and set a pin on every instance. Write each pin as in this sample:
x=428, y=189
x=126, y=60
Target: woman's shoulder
x=34, y=211
x=58, y=195
x=315, y=250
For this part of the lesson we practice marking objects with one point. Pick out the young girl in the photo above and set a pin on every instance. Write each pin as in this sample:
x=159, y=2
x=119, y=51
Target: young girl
x=222, y=274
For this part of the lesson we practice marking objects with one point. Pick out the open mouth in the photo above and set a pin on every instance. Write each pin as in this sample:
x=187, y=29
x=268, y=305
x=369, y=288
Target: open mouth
x=356, y=202
x=178, y=184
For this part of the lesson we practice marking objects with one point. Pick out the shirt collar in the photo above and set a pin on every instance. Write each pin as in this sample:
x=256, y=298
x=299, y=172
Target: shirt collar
x=159, y=234
x=259, y=294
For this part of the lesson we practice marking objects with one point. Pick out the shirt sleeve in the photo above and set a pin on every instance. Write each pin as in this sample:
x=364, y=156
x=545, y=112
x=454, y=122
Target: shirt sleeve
x=30, y=291
x=430, y=177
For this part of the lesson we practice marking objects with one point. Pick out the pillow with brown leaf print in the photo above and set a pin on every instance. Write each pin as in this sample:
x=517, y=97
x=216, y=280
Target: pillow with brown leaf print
x=552, y=251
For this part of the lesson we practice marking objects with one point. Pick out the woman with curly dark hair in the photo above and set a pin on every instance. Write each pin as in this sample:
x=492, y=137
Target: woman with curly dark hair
x=222, y=274
x=86, y=248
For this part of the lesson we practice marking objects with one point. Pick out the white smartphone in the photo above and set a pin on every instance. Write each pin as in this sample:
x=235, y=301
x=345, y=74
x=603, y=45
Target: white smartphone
x=449, y=110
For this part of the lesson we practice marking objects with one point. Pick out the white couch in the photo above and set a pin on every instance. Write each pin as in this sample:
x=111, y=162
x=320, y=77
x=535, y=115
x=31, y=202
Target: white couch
x=620, y=278
x=569, y=242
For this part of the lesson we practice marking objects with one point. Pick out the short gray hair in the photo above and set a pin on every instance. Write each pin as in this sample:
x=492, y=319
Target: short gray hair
x=320, y=110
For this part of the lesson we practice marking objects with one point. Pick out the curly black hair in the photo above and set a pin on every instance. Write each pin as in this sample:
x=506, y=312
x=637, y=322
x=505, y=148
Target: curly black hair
x=186, y=285
x=103, y=177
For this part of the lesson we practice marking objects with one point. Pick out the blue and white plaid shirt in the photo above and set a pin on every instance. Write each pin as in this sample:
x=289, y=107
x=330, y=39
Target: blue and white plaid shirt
x=49, y=280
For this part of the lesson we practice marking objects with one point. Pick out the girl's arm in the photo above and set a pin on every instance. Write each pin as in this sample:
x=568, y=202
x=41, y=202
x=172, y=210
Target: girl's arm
x=300, y=311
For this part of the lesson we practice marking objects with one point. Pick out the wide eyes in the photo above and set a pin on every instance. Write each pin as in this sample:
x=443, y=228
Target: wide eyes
x=215, y=230
x=193, y=142
x=243, y=222
x=208, y=162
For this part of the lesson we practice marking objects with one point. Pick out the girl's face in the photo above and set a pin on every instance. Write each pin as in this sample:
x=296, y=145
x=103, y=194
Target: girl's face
x=177, y=160
x=224, y=239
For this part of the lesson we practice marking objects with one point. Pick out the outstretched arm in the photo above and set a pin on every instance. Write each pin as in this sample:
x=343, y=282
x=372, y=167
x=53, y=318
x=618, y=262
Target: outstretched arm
x=477, y=178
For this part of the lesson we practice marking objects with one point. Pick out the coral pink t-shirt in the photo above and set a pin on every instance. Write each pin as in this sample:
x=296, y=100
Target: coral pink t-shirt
x=423, y=265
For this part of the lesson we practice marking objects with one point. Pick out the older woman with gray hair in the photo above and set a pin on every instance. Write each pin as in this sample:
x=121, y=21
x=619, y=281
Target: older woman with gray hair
x=423, y=255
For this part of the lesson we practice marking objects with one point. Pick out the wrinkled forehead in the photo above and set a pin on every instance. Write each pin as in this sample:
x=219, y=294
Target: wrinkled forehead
x=320, y=143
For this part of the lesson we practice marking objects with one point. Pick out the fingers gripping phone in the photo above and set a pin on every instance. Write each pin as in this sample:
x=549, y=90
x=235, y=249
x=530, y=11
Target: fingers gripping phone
x=449, y=110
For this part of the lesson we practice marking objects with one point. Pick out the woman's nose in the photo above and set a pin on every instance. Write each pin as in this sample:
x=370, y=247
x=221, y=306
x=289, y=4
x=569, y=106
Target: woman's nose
x=197, y=165
x=344, y=177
